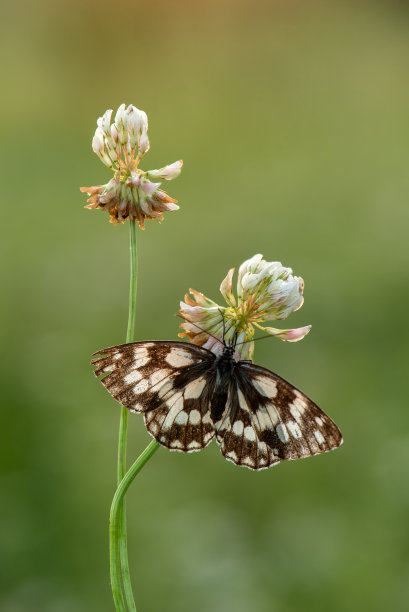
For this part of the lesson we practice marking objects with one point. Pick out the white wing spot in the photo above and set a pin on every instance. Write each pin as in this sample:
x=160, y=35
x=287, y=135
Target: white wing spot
x=194, y=445
x=319, y=421
x=194, y=389
x=296, y=412
x=117, y=356
x=133, y=377
x=268, y=418
x=294, y=429
x=238, y=427
x=136, y=408
x=154, y=427
x=282, y=433
x=175, y=405
x=300, y=402
x=165, y=388
x=242, y=401
x=141, y=387
x=175, y=401
x=178, y=358
x=194, y=417
x=265, y=386
x=141, y=357
x=158, y=376
x=249, y=434
x=232, y=456
x=140, y=362
x=176, y=444
x=319, y=437
x=181, y=418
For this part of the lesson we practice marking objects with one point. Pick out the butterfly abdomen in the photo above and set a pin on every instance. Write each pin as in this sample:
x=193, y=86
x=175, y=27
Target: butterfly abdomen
x=224, y=368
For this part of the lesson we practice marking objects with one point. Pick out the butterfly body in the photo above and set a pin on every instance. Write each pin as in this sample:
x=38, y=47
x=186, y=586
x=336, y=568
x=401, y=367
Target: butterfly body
x=188, y=396
x=224, y=367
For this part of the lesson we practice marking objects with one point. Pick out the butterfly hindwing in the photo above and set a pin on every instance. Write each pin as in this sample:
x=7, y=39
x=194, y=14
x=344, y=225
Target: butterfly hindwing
x=179, y=416
x=268, y=420
x=237, y=436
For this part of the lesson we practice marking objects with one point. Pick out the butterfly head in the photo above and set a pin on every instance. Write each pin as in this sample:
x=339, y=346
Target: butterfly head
x=229, y=350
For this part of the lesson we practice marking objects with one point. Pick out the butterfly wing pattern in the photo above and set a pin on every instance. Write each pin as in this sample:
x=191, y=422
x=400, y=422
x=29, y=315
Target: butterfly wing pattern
x=169, y=383
x=188, y=396
x=269, y=420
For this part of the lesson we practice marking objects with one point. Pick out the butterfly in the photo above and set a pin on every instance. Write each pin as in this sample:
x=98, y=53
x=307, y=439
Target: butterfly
x=188, y=395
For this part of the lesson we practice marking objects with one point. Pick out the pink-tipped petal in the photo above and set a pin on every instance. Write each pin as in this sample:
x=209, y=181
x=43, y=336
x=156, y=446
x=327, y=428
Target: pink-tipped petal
x=288, y=335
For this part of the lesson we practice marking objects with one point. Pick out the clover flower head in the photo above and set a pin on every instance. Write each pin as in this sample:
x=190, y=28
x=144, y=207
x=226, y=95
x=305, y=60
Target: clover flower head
x=265, y=291
x=130, y=194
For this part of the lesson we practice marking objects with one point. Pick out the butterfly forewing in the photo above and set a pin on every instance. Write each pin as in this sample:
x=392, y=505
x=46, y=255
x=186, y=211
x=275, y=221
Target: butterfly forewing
x=167, y=381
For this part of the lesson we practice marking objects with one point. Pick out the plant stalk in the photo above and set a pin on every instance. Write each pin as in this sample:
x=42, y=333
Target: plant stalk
x=119, y=564
x=115, y=523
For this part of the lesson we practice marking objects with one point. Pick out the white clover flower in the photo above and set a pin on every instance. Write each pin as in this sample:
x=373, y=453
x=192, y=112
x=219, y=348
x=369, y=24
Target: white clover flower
x=130, y=194
x=265, y=291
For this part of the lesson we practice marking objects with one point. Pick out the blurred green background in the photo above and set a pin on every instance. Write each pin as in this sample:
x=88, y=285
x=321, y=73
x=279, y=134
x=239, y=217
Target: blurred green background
x=292, y=119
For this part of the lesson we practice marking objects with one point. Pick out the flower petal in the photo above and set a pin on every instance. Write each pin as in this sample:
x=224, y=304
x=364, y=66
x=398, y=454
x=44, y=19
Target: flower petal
x=288, y=335
x=167, y=172
x=250, y=265
x=226, y=288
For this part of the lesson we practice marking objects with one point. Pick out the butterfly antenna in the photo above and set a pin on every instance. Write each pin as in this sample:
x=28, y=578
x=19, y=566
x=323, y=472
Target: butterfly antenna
x=200, y=328
x=224, y=325
x=254, y=339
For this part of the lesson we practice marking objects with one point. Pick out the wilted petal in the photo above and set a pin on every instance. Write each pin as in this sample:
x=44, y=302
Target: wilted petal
x=202, y=300
x=148, y=187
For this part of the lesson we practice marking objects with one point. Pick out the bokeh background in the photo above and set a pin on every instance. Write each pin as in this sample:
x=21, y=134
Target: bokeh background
x=292, y=119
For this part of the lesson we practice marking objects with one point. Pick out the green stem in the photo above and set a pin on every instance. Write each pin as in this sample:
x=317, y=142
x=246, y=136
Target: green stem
x=115, y=524
x=118, y=539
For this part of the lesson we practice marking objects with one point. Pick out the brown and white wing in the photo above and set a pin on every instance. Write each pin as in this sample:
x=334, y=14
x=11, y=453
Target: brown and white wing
x=268, y=420
x=169, y=382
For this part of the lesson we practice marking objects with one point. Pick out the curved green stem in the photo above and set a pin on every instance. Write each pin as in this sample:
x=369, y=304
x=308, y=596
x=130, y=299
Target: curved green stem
x=119, y=548
x=115, y=524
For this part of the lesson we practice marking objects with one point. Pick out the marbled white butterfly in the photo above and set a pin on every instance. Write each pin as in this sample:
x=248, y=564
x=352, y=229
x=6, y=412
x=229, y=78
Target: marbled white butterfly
x=188, y=395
